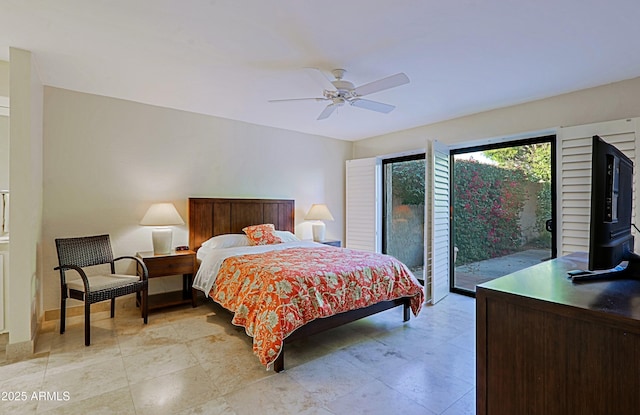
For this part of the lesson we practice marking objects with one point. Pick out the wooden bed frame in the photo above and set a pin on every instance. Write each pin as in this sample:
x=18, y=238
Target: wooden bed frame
x=215, y=216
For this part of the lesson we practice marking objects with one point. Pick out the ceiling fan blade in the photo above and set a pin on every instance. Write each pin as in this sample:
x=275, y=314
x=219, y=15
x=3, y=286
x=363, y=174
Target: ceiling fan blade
x=382, y=84
x=320, y=78
x=372, y=105
x=328, y=110
x=298, y=99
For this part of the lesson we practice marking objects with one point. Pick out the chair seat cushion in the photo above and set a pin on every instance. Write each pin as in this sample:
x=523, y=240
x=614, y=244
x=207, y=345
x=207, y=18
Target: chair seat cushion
x=103, y=282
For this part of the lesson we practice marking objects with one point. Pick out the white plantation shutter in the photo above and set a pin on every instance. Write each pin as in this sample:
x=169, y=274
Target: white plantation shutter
x=363, y=214
x=438, y=251
x=574, y=177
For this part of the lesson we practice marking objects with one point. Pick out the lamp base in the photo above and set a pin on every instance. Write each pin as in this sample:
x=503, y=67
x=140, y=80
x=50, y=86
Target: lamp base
x=318, y=231
x=161, y=238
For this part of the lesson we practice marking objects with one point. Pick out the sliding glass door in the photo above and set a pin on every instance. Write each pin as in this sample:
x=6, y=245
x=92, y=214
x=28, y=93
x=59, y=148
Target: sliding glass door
x=403, y=193
x=502, y=209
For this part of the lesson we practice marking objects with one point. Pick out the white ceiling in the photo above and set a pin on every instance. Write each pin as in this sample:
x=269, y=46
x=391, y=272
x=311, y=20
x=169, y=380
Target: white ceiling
x=227, y=58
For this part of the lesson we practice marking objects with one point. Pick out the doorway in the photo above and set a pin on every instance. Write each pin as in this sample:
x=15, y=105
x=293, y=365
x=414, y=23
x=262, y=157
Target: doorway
x=502, y=209
x=403, y=213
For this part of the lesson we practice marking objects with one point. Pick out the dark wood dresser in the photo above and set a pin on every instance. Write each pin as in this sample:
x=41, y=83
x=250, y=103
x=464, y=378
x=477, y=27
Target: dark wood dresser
x=548, y=346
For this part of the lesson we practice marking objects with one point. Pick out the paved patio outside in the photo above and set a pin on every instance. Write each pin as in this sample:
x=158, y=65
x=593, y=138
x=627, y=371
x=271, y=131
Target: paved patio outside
x=469, y=275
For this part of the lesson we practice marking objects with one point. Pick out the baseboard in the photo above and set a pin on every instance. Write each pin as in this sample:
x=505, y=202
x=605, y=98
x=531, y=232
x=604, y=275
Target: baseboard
x=13, y=352
x=19, y=351
x=78, y=310
x=4, y=340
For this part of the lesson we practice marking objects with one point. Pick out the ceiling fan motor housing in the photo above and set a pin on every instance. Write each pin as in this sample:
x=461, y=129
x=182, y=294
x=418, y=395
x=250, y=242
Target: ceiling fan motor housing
x=343, y=86
x=342, y=94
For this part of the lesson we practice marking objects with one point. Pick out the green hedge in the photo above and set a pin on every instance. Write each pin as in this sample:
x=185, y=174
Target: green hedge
x=487, y=203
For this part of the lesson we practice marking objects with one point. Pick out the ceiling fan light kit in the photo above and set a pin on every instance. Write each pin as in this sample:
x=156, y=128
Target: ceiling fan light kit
x=340, y=91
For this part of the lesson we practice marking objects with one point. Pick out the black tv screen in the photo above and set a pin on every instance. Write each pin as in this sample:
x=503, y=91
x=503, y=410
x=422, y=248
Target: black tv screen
x=610, y=237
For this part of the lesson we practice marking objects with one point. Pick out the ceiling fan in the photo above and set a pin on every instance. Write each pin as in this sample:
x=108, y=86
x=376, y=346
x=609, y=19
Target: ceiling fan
x=340, y=91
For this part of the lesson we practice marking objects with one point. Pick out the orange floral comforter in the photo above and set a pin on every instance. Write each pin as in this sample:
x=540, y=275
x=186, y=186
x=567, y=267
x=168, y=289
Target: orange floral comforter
x=272, y=294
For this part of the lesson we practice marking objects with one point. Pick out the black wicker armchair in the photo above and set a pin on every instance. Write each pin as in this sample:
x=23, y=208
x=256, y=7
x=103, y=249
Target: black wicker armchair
x=78, y=253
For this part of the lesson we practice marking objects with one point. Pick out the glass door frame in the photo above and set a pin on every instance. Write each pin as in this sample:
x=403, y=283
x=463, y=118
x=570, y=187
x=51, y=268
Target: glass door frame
x=551, y=139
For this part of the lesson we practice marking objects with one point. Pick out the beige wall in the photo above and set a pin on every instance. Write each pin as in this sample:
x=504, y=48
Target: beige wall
x=4, y=79
x=23, y=299
x=4, y=152
x=4, y=128
x=106, y=160
x=608, y=102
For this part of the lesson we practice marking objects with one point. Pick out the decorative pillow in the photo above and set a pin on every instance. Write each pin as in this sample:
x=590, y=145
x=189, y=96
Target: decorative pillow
x=264, y=234
x=230, y=240
x=287, y=236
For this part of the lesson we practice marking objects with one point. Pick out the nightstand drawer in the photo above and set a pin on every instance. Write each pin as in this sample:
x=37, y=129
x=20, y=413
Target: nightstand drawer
x=162, y=266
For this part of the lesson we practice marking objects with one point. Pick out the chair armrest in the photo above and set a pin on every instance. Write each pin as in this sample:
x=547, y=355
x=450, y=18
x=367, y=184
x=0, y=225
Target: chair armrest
x=63, y=268
x=145, y=271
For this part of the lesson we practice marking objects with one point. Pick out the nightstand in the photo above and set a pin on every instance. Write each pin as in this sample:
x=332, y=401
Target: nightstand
x=164, y=265
x=332, y=243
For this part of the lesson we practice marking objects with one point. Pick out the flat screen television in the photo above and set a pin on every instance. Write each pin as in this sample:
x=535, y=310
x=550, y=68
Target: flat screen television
x=610, y=237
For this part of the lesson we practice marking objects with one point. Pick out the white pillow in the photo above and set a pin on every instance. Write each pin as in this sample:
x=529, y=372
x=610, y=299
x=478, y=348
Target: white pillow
x=287, y=236
x=230, y=240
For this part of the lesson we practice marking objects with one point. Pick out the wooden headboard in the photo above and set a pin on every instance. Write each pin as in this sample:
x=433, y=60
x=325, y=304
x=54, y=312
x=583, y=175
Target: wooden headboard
x=216, y=216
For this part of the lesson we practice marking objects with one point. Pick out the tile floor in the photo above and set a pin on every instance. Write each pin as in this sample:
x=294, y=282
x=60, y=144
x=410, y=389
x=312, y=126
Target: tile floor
x=193, y=361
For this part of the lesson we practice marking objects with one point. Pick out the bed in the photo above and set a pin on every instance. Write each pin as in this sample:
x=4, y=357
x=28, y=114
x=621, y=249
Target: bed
x=310, y=309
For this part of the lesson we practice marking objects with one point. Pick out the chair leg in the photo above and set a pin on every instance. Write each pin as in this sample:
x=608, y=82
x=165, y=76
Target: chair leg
x=87, y=323
x=145, y=305
x=113, y=307
x=63, y=313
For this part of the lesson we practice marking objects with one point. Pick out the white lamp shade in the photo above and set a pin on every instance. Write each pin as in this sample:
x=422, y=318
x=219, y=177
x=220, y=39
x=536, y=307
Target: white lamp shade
x=162, y=214
x=319, y=211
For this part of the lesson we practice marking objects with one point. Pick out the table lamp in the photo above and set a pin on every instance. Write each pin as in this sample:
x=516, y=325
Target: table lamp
x=319, y=213
x=161, y=215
